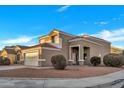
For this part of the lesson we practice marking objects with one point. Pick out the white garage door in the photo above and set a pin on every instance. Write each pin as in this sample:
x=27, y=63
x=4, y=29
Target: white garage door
x=31, y=59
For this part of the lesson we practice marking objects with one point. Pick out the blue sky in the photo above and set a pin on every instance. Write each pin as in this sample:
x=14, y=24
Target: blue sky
x=22, y=25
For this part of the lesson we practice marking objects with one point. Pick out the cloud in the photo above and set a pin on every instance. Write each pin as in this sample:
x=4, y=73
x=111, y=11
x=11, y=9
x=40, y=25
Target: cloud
x=18, y=40
x=101, y=23
x=116, y=18
x=111, y=35
x=64, y=8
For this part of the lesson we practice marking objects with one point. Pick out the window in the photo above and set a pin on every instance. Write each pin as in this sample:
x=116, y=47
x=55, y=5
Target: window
x=53, y=39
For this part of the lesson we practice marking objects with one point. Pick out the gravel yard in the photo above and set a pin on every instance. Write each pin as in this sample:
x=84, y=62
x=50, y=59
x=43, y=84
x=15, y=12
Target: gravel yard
x=69, y=72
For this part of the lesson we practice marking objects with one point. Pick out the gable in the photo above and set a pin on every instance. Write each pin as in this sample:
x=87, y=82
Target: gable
x=54, y=35
x=4, y=53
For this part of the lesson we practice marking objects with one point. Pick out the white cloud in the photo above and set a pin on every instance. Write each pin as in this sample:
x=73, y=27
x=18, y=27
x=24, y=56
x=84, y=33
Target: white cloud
x=64, y=8
x=113, y=35
x=101, y=23
x=18, y=40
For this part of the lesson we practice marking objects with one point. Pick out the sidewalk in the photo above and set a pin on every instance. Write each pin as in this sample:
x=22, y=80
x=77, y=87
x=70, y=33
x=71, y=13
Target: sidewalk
x=84, y=82
x=60, y=83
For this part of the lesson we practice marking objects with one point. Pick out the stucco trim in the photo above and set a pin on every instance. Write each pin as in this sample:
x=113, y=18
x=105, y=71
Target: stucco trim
x=70, y=60
x=50, y=48
x=70, y=52
x=78, y=39
x=41, y=59
x=81, y=60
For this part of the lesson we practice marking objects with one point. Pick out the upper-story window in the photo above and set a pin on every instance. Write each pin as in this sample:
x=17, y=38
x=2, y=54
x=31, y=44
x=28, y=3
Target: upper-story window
x=54, y=39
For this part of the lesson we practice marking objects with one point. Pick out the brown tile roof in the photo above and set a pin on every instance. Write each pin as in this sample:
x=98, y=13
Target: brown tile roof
x=42, y=45
x=10, y=51
x=89, y=38
x=22, y=47
x=116, y=50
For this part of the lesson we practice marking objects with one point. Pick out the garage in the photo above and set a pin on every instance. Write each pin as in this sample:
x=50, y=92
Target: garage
x=31, y=59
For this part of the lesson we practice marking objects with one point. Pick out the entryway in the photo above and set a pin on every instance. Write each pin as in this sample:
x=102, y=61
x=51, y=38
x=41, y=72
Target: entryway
x=75, y=55
x=86, y=55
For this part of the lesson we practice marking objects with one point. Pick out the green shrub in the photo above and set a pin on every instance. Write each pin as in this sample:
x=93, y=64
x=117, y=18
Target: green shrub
x=59, y=62
x=95, y=60
x=114, y=60
x=4, y=61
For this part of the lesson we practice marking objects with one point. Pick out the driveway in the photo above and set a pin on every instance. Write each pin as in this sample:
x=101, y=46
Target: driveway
x=10, y=67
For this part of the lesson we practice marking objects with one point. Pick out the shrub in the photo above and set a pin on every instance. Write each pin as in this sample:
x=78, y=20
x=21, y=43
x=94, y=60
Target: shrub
x=59, y=62
x=4, y=61
x=1, y=60
x=113, y=60
x=95, y=60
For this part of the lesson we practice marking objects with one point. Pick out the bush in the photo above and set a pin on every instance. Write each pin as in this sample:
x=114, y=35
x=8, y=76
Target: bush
x=95, y=60
x=1, y=60
x=59, y=62
x=114, y=60
x=4, y=61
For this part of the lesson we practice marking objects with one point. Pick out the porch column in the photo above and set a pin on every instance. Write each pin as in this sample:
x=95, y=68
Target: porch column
x=81, y=54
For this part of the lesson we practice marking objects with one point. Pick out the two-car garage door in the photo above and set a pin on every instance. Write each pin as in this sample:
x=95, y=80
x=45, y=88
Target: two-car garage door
x=31, y=59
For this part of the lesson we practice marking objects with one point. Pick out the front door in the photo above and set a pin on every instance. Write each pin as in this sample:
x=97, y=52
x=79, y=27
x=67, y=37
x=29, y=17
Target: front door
x=75, y=55
x=86, y=55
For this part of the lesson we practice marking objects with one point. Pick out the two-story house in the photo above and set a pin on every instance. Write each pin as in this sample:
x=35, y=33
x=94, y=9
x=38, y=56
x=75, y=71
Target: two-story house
x=77, y=49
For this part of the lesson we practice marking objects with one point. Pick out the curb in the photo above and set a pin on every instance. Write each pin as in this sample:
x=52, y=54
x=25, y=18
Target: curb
x=106, y=85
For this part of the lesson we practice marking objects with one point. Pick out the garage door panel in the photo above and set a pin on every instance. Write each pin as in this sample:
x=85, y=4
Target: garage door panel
x=31, y=59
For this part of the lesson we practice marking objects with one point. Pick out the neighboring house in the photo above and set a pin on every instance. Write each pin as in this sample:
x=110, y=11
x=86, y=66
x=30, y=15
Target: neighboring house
x=76, y=49
x=0, y=53
x=19, y=55
x=14, y=53
x=10, y=53
x=116, y=50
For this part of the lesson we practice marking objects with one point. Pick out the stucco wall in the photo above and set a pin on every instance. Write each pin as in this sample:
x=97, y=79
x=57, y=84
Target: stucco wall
x=12, y=58
x=65, y=45
x=95, y=50
x=47, y=54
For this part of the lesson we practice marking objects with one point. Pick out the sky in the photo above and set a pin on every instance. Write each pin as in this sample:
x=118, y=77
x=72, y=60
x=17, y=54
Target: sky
x=23, y=25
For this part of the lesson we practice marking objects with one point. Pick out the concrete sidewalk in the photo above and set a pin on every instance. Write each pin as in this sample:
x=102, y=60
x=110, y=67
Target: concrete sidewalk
x=60, y=83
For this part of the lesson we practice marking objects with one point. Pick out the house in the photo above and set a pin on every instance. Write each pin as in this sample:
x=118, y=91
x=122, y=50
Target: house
x=77, y=49
x=116, y=50
x=19, y=55
x=0, y=53
x=13, y=53
x=10, y=53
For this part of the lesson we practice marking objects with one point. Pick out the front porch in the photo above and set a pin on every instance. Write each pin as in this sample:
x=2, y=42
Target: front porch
x=79, y=55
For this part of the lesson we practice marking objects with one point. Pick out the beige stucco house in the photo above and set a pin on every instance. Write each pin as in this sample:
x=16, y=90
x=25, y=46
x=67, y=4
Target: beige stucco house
x=77, y=49
x=116, y=50
x=9, y=53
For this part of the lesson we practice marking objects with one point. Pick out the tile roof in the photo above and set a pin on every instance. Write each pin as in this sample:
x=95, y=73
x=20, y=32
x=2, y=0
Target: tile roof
x=42, y=45
x=89, y=38
x=22, y=47
x=10, y=51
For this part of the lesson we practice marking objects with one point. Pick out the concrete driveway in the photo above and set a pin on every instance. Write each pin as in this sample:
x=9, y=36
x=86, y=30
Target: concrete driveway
x=12, y=67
